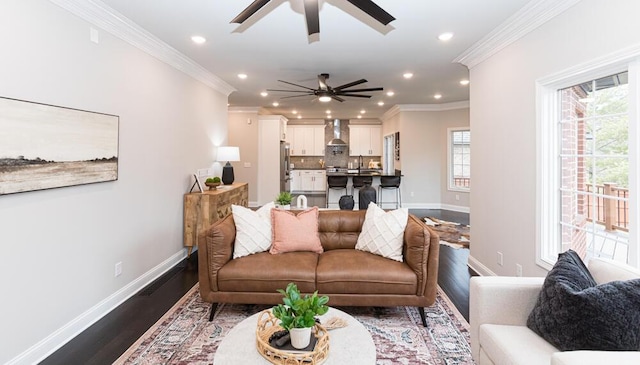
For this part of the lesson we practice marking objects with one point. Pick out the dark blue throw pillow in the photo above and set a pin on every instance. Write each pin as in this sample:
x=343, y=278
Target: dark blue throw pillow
x=574, y=313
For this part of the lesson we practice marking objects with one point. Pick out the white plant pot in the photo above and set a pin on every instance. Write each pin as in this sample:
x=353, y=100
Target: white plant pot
x=283, y=207
x=300, y=337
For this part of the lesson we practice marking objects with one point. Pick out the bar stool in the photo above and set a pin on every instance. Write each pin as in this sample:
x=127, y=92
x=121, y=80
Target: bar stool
x=390, y=182
x=358, y=182
x=336, y=183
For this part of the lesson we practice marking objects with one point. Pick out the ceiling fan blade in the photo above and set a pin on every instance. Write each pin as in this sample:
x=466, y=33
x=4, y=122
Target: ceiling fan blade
x=249, y=11
x=322, y=81
x=296, y=96
x=290, y=91
x=313, y=18
x=291, y=83
x=356, y=95
x=337, y=98
x=373, y=10
x=361, y=81
x=360, y=90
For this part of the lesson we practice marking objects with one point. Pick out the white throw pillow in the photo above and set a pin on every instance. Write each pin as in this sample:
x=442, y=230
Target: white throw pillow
x=382, y=232
x=253, y=229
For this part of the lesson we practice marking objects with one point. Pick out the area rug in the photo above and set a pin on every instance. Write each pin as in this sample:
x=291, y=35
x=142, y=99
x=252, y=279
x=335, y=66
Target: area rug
x=184, y=334
x=452, y=234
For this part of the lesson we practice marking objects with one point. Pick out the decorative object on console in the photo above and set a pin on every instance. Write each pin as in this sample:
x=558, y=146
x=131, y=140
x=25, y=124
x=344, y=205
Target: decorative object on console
x=573, y=312
x=229, y=154
x=212, y=182
x=253, y=229
x=44, y=146
x=382, y=232
x=301, y=202
x=295, y=232
x=283, y=200
x=297, y=314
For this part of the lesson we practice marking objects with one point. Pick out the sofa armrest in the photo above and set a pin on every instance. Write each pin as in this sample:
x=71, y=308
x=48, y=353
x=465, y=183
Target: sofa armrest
x=421, y=252
x=500, y=300
x=215, y=246
x=595, y=357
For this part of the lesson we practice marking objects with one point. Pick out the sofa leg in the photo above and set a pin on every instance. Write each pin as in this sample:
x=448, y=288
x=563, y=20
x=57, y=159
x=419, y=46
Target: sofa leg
x=213, y=311
x=424, y=320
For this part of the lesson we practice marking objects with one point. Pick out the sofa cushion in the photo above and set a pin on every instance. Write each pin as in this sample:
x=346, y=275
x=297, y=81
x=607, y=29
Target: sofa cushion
x=383, y=232
x=253, y=229
x=505, y=344
x=263, y=272
x=605, y=270
x=348, y=271
x=295, y=232
x=574, y=313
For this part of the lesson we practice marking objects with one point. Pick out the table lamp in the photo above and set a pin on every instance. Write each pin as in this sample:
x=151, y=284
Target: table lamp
x=228, y=153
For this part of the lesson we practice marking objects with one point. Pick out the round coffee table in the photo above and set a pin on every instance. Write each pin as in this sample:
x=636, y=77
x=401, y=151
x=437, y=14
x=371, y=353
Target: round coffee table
x=351, y=345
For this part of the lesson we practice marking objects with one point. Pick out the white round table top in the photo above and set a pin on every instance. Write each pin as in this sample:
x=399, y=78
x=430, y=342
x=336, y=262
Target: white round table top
x=351, y=345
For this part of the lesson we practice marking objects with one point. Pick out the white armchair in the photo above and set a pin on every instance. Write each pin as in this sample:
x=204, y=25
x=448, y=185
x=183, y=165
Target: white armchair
x=498, y=312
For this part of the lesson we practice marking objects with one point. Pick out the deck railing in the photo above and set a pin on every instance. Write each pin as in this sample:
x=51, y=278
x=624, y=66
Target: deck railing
x=613, y=213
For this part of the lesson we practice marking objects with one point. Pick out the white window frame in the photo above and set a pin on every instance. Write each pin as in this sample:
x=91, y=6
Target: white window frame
x=450, y=185
x=548, y=243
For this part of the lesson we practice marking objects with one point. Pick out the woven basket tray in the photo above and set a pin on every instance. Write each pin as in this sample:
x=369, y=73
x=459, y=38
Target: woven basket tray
x=268, y=324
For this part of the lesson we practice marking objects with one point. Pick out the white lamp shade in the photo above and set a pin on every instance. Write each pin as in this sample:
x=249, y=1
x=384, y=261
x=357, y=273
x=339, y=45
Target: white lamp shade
x=228, y=153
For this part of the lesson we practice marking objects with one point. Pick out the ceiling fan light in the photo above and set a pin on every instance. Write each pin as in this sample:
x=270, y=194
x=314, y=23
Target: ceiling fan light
x=325, y=98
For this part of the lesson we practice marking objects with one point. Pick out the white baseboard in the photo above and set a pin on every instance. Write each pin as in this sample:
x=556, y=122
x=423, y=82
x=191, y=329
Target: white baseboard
x=478, y=267
x=455, y=208
x=66, y=333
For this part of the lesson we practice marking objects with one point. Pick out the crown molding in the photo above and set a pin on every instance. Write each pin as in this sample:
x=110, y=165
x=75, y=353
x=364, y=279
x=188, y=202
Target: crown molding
x=424, y=108
x=99, y=14
x=244, y=109
x=530, y=17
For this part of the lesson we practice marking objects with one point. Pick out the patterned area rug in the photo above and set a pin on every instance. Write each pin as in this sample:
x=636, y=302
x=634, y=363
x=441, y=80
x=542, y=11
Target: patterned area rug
x=452, y=234
x=185, y=336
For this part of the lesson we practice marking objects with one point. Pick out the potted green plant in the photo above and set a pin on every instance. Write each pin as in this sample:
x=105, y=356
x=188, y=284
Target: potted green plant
x=283, y=200
x=212, y=182
x=298, y=314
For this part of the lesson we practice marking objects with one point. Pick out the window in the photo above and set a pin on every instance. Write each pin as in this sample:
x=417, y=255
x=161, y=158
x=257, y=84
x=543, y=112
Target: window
x=585, y=193
x=459, y=159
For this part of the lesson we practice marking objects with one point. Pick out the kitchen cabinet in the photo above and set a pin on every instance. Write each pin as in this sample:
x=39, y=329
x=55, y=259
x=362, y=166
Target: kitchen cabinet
x=308, y=180
x=365, y=140
x=306, y=140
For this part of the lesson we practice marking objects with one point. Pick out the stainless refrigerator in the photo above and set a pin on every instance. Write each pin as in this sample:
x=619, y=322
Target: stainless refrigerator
x=285, y=163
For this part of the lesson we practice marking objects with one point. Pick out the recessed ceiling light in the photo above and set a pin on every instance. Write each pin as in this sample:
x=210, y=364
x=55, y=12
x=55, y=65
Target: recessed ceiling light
x=464, y=82
x=198, y=39
x=275, y=103
x=242, y=76
x=328, y=111
x=390, y=93
x=437, y=96
x=445, y=36
x=329, y=116
x=363, y=111
x=299, y=116
x=264, y=94
x=407, y=75
x=294, y=111
x=381, y=103
x=359, y=116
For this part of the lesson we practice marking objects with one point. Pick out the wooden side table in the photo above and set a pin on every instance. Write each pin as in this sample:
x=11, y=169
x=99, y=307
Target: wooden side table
x=203, y=209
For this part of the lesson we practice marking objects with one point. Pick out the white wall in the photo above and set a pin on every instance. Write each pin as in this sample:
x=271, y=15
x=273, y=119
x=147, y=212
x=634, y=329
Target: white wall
x=243, y=132
x=423, y=155
x=59, y=246
x=503, y=124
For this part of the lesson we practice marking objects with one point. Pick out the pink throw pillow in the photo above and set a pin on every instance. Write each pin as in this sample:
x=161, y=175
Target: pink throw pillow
x=293, y=232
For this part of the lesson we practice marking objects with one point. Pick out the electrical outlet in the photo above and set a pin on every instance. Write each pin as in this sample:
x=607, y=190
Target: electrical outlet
x=247, y=164
x=94, y=36
x=457, y=197
x=203, y=172
x=500, y=258
x=118, y=269
x=518, y=270
x=411, y=193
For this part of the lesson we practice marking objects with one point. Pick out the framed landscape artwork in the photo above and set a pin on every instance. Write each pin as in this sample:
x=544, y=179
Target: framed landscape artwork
x=44, y=146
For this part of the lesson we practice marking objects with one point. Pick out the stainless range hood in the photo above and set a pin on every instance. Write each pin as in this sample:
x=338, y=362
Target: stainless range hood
x=336, y=141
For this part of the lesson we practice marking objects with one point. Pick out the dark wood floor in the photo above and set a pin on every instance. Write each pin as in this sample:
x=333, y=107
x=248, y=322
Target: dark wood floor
x=107, y=339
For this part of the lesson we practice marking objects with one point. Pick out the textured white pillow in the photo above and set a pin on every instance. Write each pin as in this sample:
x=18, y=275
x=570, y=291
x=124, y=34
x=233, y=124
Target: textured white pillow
x=253, y=229
x=382, y=232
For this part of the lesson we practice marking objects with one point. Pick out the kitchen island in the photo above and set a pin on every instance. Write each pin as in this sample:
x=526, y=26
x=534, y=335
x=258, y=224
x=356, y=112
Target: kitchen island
x=389, y=195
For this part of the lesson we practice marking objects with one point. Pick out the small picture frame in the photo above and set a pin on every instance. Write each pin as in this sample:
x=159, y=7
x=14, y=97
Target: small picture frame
x=195, y=176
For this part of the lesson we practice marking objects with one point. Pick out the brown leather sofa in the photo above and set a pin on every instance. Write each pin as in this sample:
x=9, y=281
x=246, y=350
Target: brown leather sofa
x=348, y=276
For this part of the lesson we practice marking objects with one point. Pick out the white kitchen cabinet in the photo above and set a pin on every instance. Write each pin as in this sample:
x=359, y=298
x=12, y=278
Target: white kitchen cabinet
x=309, y=180
x=365, y=140
x=306, y=140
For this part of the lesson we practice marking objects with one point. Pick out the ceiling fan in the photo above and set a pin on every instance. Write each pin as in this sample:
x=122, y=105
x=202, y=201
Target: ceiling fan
x=325, y=93
x=311, y=10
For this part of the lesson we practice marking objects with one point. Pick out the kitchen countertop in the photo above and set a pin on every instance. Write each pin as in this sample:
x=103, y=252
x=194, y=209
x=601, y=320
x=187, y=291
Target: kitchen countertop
x=362, y=173
x=308, y=168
